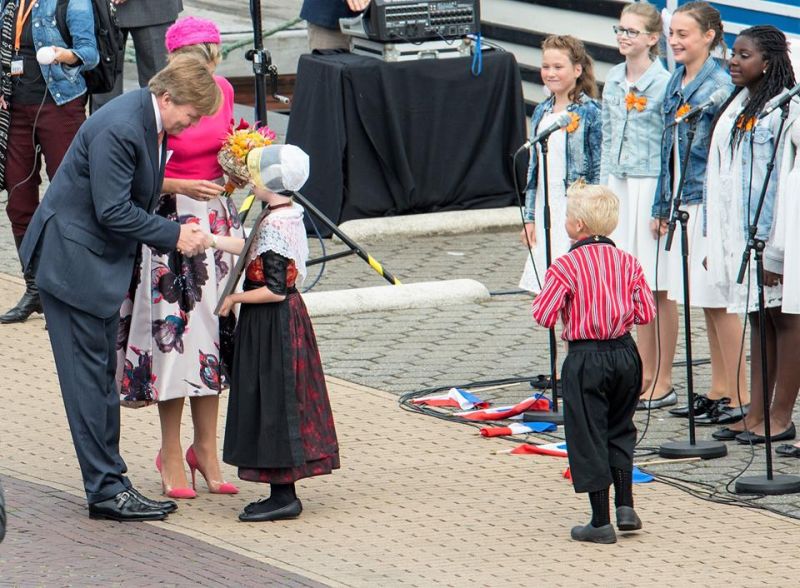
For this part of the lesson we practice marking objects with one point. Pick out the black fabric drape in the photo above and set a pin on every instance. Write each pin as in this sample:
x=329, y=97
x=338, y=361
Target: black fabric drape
x=401, y=138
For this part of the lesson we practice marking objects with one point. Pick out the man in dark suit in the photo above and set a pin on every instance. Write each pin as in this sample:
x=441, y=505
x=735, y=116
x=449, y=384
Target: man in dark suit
x=323, y=17
x=82, y=244
x=146, y=22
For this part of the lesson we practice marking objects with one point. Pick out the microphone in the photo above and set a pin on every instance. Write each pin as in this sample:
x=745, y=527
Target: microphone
x=561, y=121
x=779, y=100
x=46, y=55
x=716, y=99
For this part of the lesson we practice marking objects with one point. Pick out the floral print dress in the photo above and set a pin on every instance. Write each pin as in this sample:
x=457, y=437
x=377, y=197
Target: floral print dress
x=170, y=343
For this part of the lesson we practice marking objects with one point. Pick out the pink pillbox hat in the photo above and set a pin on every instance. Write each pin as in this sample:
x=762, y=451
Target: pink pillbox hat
x=191, y=31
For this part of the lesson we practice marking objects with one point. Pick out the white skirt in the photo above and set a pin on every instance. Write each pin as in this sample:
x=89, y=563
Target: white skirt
x=633, y=231
x=702, y=292
x=559, y=240
x=791, y=260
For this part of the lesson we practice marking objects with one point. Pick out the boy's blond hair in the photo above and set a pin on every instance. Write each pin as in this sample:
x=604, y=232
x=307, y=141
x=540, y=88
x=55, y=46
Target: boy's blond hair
x=597, y=206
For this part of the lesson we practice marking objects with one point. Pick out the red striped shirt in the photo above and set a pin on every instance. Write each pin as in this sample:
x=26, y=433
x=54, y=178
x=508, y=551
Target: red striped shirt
x=600, y=292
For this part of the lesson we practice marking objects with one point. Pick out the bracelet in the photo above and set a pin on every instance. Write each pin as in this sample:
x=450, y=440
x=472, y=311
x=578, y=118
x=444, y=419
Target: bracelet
x=213, y=241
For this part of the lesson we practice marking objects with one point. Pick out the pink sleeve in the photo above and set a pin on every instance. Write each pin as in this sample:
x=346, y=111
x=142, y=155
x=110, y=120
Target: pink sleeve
x=644, y=306
x=548, y=304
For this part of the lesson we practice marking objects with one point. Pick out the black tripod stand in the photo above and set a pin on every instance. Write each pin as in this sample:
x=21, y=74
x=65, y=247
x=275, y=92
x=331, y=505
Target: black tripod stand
x=263, y=68
x=692, y=448
x=555, y=416
x=768, y=483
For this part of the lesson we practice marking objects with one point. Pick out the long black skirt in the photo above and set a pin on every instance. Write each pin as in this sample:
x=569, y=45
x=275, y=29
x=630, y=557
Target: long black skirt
x=280, y=425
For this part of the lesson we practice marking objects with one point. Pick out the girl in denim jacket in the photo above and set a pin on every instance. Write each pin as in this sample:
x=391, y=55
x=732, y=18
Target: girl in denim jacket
x=633, y=127
x=695, y=30
x=741, y=147
x=574, y=152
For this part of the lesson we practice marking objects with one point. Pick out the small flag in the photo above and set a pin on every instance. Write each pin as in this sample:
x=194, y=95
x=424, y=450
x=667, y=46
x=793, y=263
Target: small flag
x=518, y=429
x=455, y=398
x=554, y=449
x=534, y=403
x=639, y=477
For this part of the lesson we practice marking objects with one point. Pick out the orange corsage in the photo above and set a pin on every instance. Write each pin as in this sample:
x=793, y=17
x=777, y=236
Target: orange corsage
x=745, y=125
x=633, y=101
x=683, y=110
x=573, y=125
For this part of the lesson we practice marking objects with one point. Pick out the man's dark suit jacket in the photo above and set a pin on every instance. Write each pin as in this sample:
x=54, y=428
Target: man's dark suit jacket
x=84, y=236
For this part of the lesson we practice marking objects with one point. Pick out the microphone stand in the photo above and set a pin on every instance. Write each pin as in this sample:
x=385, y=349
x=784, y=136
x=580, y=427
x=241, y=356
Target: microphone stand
x=694, y=448
x=769, y=483
x=262, y=66
x=555, y=416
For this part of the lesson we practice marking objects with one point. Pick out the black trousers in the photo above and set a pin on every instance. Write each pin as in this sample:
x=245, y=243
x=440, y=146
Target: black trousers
x=601, y=383
x=84, y=347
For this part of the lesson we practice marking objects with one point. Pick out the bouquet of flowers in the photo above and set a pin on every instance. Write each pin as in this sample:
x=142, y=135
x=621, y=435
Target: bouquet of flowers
x=241, y=140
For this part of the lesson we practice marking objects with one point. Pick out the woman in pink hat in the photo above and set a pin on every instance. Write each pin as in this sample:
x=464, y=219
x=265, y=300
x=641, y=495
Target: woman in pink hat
x=171, y=345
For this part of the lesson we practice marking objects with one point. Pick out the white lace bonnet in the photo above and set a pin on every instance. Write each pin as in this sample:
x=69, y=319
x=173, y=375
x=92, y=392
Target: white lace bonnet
x=281, y=168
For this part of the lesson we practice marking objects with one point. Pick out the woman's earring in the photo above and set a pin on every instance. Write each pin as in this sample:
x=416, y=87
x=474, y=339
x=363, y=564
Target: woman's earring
x=763, y=73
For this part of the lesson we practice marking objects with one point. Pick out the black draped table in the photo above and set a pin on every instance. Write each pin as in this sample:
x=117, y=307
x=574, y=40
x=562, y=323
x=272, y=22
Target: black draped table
x=400, y=138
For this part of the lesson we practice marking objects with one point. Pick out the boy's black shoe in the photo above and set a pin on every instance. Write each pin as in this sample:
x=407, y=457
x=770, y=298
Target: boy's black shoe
x=604, y=534
x=627, y=519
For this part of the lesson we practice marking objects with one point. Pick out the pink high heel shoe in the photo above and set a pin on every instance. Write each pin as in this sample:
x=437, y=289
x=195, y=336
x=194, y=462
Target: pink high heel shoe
x=173, y=492
x=214, y=486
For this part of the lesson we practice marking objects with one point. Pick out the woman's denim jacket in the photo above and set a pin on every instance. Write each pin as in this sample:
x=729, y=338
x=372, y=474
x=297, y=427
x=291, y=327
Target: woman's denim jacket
x=711, y=77
x=757, y=147
x=583, y=147
x=65, y=82
x=632, y=138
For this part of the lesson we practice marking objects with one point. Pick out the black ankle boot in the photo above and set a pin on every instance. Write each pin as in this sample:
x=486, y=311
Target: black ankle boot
x=27, y=305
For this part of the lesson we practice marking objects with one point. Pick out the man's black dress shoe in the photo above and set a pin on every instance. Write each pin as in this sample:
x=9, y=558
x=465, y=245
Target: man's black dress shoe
x=125, y=506
x=252, y=514
x=702, y=404
x=167, y=506
x=747, y=437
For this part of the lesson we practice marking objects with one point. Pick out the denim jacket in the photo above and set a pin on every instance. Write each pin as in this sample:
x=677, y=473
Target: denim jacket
x=632, y=138
x=711, y=77
x=757, y=146
x=583, y=147
x=65, y=82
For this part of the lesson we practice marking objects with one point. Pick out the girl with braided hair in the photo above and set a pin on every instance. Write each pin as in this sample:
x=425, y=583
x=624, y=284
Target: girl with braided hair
x=741, y=147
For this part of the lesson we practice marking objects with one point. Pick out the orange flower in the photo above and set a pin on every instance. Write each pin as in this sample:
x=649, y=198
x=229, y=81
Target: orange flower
x=745, y=125
x=633, y=101
x=573, y=125
x=683, y=110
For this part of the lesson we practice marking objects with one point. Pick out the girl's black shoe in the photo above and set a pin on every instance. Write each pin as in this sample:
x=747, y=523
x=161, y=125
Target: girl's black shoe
x=263, y=510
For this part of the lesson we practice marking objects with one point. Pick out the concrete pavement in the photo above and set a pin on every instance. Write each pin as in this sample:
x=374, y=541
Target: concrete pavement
x=418, y=501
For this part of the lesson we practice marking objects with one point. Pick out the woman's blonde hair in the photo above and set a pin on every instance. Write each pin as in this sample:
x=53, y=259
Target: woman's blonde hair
x=188, y=81
x=577, y=55
x=652, y=20
x=597, y=206
x=207, y=52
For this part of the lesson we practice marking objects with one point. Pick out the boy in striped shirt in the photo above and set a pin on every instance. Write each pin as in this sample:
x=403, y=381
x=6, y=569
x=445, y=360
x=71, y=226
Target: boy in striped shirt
x=600, y=292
